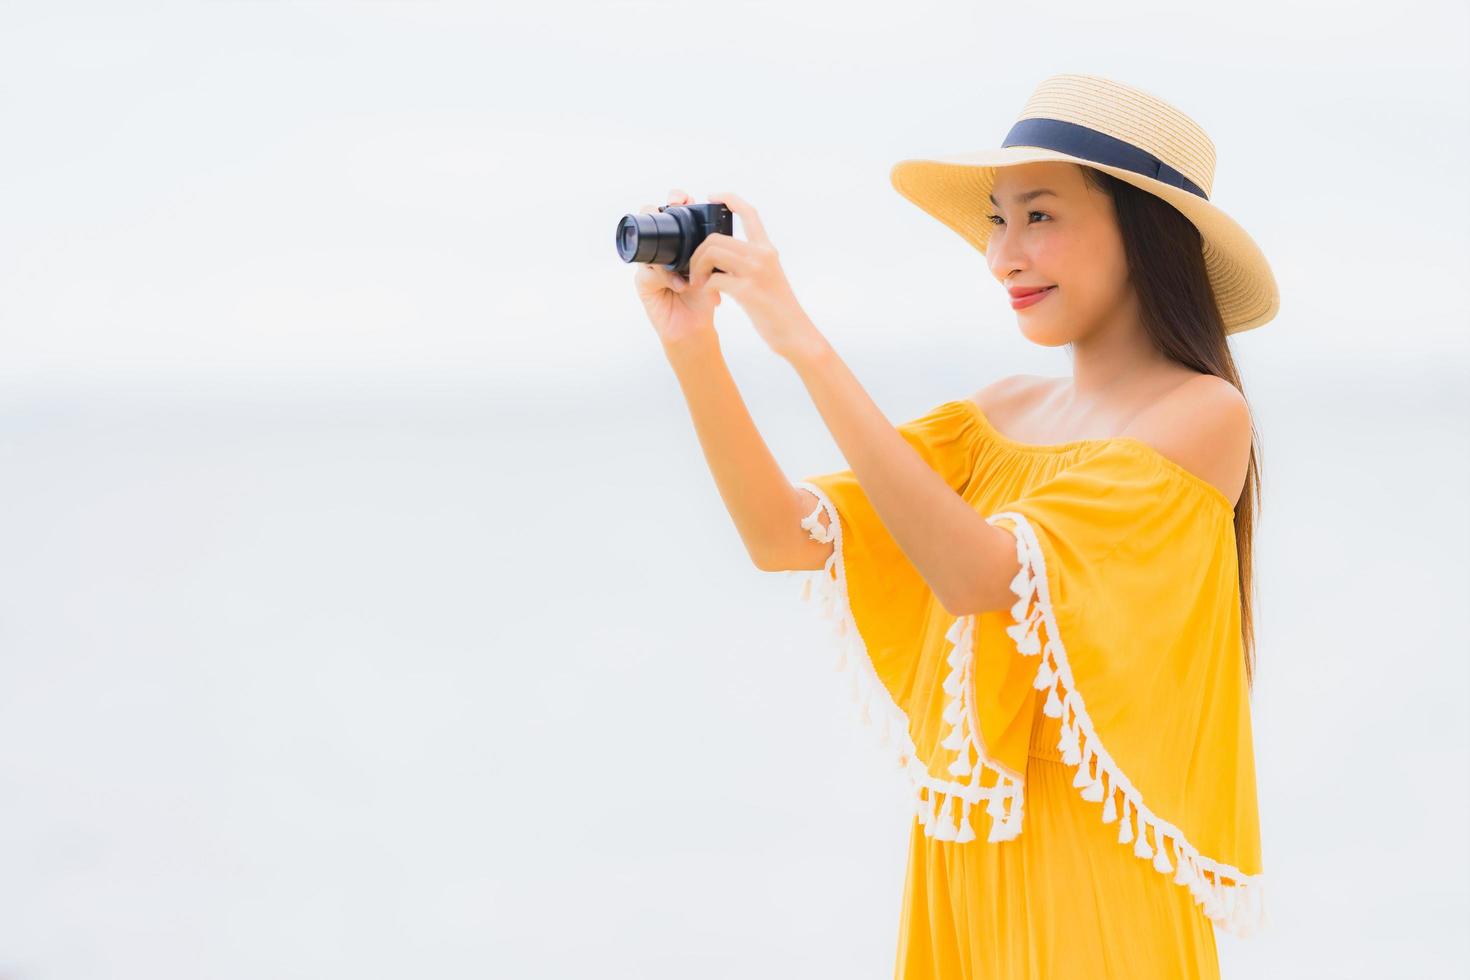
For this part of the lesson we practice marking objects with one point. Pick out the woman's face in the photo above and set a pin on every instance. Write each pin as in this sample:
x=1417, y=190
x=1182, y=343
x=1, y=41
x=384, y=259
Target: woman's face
x=1069, y=239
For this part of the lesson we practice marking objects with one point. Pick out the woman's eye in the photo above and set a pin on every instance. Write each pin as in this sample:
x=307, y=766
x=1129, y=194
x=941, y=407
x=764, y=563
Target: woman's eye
x=995, y=218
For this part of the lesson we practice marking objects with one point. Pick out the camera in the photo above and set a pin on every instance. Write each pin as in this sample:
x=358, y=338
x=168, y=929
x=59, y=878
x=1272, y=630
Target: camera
x=671, y=236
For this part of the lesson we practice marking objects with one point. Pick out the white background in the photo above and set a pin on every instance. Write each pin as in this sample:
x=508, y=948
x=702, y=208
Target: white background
x=366, y=607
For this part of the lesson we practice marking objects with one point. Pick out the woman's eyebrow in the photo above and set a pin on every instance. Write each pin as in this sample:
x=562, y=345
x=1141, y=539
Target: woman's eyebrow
x=1028, y=195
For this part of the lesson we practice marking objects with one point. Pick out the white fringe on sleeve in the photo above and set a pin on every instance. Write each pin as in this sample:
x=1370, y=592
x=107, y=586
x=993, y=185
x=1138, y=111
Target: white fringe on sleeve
x=1233, y=900
x=942, y=805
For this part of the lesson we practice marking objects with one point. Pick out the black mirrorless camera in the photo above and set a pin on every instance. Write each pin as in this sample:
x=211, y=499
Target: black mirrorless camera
x=670, y=237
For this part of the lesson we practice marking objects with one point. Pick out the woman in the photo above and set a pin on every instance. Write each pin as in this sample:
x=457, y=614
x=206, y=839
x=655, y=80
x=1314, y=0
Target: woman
x=1042, y=590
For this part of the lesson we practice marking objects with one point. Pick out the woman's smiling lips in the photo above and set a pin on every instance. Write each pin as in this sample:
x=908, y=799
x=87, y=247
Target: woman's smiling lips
x=1024, y=296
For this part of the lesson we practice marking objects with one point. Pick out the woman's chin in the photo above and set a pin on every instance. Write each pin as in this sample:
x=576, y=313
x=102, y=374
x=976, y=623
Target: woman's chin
x=1043, y=333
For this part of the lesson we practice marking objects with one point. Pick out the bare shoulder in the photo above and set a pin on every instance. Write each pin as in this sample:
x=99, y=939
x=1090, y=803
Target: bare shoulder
x=995, y=398
x=1204, y=425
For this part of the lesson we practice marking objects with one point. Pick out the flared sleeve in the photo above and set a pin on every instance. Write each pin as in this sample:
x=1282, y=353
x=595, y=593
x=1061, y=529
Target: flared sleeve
x=885, y=617
x=1127, y=615
x=887, y=597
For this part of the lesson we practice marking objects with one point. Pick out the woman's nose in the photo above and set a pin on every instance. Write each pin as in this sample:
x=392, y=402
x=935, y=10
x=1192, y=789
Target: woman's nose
x=1004, y=260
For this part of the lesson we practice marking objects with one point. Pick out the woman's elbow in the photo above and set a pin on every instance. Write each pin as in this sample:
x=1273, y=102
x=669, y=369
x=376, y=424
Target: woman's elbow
x=990, y=589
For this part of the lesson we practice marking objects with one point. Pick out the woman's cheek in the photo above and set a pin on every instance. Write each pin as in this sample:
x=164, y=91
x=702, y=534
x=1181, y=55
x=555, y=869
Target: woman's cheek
x=1051, y=259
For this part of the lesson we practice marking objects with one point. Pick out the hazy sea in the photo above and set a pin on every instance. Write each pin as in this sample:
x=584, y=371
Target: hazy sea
x=458, y=675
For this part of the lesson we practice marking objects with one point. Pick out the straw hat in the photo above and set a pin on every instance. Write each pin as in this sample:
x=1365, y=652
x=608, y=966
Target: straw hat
x=1123, y=131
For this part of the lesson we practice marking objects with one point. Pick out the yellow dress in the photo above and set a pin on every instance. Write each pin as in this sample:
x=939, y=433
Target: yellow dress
x=1106, y=713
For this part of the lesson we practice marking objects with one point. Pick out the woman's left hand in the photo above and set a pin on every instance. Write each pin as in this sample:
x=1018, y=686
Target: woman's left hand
x=751, y=273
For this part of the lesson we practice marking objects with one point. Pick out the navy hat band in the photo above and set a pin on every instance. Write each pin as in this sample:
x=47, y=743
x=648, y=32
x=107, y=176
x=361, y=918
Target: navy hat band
x=1099, y=147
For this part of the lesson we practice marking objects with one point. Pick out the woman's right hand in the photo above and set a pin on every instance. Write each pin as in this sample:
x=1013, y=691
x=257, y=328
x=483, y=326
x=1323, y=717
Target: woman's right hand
x=676, y=310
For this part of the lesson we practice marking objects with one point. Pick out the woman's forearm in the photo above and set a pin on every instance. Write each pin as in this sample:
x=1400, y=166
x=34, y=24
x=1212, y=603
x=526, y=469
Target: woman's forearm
x=945, y=539
x=761, y=500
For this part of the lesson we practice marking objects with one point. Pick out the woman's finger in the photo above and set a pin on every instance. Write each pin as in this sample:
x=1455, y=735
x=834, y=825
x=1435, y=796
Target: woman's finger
x=659, y=275
x=672, y=279
x=749, y=220
x=715, y=252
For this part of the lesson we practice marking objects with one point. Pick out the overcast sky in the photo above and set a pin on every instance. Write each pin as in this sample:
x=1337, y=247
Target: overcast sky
x=252, y=186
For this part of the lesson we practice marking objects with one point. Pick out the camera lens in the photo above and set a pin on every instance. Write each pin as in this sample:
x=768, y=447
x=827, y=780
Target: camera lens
x=649, y=238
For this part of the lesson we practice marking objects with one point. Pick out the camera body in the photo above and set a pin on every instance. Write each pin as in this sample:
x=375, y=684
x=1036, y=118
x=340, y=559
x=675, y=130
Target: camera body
x=670, y=236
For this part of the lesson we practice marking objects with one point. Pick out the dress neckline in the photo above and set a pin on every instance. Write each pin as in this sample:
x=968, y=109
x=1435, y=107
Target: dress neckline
x=1130, y=442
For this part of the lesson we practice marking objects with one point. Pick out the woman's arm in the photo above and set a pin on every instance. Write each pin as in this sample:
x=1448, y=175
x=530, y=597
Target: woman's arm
x=766, y=508
x=968, y=563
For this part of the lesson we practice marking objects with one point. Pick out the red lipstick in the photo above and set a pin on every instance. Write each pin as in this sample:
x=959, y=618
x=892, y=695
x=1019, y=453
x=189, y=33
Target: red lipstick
x=1024, y=296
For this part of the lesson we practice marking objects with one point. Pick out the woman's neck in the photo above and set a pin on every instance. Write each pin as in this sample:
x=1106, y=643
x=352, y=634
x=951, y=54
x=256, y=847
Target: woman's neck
x=1114, y=363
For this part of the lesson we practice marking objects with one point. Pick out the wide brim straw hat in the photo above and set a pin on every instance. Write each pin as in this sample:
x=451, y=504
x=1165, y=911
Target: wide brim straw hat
x=1123, y=131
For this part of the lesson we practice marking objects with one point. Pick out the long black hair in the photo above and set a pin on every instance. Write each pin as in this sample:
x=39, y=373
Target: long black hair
x=1166, y=265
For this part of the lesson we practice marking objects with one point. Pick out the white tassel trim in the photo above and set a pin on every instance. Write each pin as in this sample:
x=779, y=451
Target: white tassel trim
x=1232, y=900
x=942, y=805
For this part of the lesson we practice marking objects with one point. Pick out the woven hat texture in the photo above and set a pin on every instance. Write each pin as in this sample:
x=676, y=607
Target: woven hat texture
x=1121, y=130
